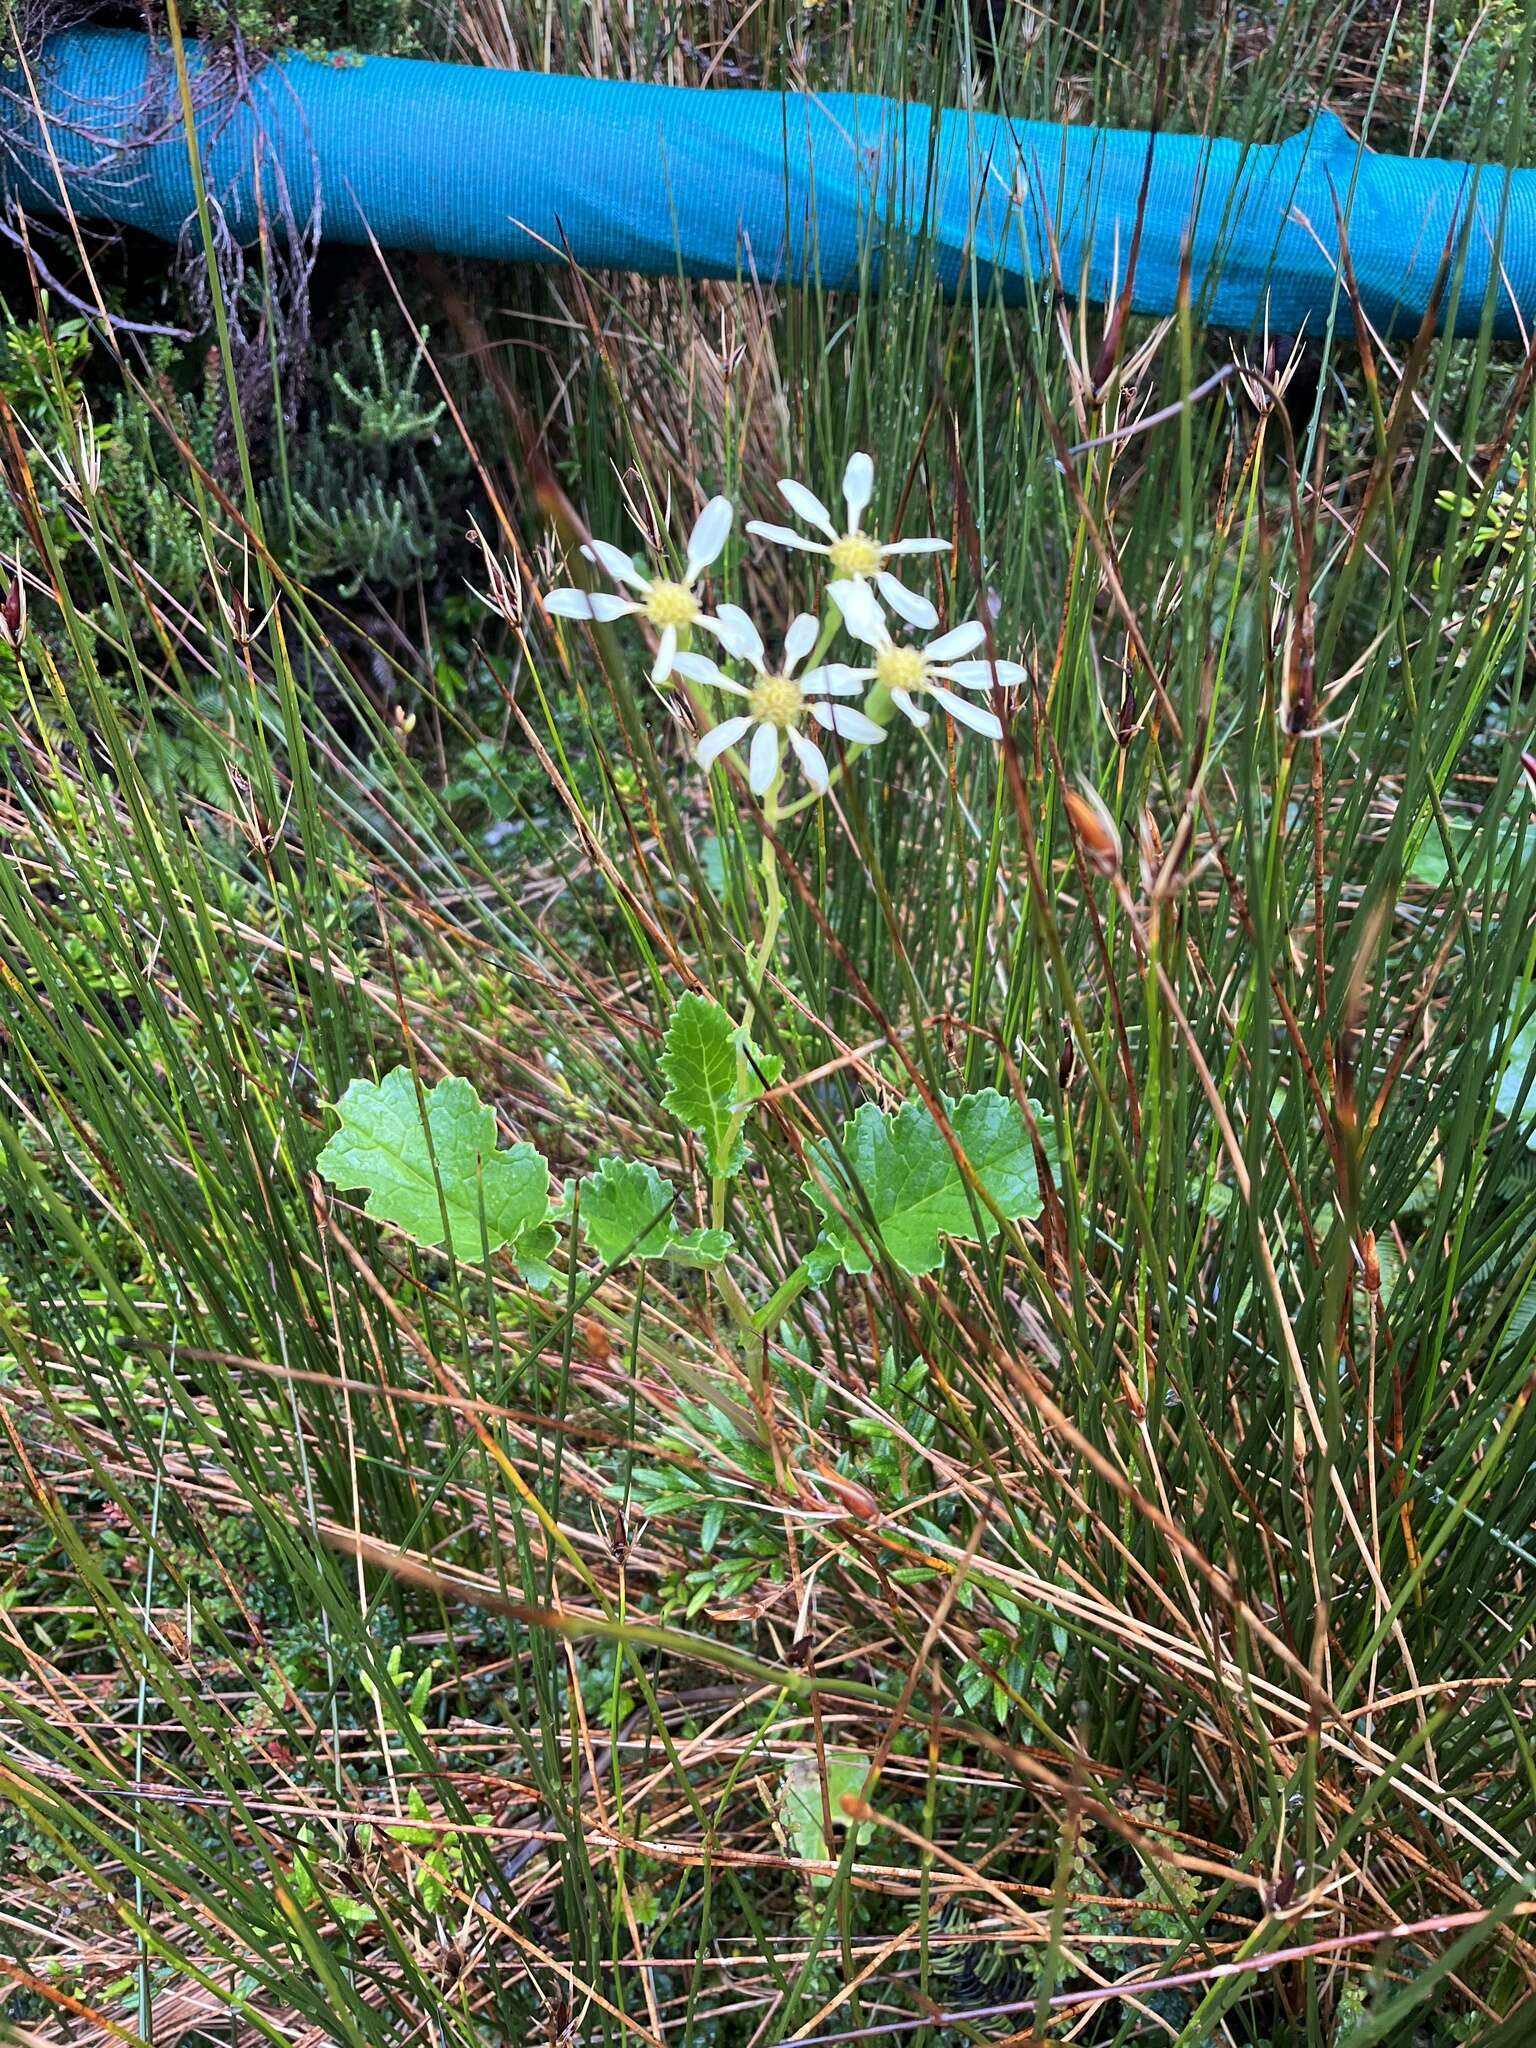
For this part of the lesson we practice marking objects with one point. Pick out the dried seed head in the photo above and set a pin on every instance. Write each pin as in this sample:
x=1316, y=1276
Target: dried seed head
x=1298, y=686
x=1125, y=731
x=1097, y=833
x=504, y=580
x=1103, y=365
x=13, y=611
x=1371, y=1264
x=1283, y=1892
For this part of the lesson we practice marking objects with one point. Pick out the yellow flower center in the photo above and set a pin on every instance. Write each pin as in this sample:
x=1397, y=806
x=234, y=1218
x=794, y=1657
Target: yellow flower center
x=671, y=604
x=901, y=668
x=854, y=555
x=776, y=701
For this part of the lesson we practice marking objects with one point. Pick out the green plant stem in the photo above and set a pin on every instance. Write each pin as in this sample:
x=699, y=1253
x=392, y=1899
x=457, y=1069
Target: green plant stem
x=878, y=707
x=773, y=915
x=784, y=1296
x=735, y=1301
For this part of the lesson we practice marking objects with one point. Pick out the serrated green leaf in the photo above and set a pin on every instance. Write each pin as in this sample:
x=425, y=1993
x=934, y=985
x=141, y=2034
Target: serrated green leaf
x=699, y=1061
x=907, y=1175
x=626, y=1211
x=702, y=1248
x=626, y=1214
x=382, y=1145
x=706, y=1091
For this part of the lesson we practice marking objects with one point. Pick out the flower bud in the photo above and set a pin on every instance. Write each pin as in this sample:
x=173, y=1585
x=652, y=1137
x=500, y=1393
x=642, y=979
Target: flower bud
x=853, y=1499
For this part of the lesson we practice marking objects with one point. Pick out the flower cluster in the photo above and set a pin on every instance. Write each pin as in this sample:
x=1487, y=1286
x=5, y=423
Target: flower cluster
x=778, y=700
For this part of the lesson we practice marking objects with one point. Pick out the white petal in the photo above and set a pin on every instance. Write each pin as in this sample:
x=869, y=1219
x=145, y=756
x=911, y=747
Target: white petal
x=666, y=654
x=698, y=668
x=804, y=631
x=858, y=488
x=785, y=537
x=616, y=562
x=711, y=531
x=764, y=762
x=847, y=723
x=906, y=604
x=905, y=704
x=717, y=739
x=808, y=505
x=811, y=759
x=712, y=625
x=861, y=614
x=927, y=546
x=977, y=675
x=968, y=713
x=963, y=640
x=737, y=634
x=835, y=679
x=588, y=604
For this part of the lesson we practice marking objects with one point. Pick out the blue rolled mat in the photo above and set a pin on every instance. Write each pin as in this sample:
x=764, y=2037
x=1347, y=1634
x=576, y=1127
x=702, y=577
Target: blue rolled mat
x=831, y=188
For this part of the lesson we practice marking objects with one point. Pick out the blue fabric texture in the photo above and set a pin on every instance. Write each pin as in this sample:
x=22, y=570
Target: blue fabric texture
x=830, y=188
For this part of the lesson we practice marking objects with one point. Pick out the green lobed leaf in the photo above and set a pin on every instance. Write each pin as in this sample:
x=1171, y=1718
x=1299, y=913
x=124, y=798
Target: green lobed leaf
x=382, y=1146
x=907, y=1176
x=700, y=1060
x=701, y=1248
x=626, y=1213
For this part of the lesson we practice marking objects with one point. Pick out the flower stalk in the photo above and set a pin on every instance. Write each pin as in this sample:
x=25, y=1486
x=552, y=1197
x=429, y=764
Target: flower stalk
x=780, y=704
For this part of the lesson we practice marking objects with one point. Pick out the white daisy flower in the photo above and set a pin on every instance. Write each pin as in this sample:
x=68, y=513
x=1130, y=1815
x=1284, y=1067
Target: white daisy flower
x=777, y=702
x=854, y=554
x=910, y=673
x=672, y=607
